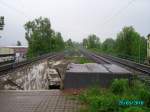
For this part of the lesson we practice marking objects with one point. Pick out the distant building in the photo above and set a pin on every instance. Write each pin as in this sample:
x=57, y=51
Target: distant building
x=6, y=50
x=18, y=51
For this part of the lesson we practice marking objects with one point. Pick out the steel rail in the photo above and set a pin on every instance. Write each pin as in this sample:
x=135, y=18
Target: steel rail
x=95, y=57
x=136, y=66
x=111, y=59
x=11, y=66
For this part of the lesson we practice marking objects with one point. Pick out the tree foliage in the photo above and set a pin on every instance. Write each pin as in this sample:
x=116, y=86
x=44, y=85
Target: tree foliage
x=18, y=43
x=128, y=44
x=126, y=41
x=91, y=42
x=41, y=38
x=69, y=43
x=57, y=41
x=118, y=97
x=108, y=45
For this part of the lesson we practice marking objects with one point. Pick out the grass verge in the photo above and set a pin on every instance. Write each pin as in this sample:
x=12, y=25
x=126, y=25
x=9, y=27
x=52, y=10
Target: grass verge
x=96, y=99
x=78, y=59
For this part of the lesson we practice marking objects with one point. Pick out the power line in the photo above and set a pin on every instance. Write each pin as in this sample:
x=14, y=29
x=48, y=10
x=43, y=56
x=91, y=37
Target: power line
x=21, y=3
x=118, y=12
x=13, y=8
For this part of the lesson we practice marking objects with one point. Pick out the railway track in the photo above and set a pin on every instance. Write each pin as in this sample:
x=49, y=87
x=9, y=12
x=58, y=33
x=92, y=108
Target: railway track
x=95, y=58
x=12, y=66
x=107, y=59
x=136, y=66
x=143, y=70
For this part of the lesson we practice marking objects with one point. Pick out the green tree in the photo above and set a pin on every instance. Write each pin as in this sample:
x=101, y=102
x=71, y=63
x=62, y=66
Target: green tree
x=143, y=48
x=58, y=42
x=85, y=43
x=130, y=44
x=38, y=35
x=108, y=45
x=69, y=43
x=92, y=42
x=41, y=38
x=127, y=42
x=18, y=43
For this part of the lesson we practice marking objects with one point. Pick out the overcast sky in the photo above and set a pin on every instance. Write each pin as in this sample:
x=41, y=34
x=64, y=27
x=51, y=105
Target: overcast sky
x=75, y=19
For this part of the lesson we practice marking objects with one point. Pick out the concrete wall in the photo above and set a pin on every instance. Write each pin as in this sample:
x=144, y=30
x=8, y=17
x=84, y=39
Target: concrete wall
x=31, y=77
x=85, y=80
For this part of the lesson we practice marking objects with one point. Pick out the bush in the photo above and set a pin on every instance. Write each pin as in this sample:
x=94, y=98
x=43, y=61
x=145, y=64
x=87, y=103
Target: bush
x=109, y=103
x=145, y=96
x=137, y=85
x=104, y=103
x=107, y=100
x=99, y=101
x=84, y=96
x=134, y=109
x=94, y=103
x=142, y=92
x=83, y=60
x=119, y=86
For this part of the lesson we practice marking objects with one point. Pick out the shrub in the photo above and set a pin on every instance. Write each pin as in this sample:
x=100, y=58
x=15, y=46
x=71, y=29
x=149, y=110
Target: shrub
x=92, y=91
x=142, y=92
x=83, y=60
x=107, y=100
x=94, y=103
x=98, y=102
x=134, y=109
x=109, y=103
x=104, y=103
x=137, y=85
x=119, y=86
x=145, y=96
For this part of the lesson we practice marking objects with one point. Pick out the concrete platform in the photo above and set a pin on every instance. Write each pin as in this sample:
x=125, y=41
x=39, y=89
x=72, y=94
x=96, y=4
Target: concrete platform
x=36, y=101
x=84, y=75
x=96, y=68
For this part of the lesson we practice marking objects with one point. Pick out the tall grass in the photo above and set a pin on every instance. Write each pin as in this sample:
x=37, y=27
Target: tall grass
x=97, y=99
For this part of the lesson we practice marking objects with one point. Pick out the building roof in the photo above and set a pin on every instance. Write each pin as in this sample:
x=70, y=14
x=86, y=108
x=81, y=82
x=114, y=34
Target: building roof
x=15, y=46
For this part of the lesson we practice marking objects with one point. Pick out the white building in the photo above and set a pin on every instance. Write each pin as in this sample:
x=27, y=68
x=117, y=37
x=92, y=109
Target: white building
x=18, y=51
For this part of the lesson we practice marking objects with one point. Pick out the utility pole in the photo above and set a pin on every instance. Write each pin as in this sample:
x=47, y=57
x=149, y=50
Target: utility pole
x=139, y=49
